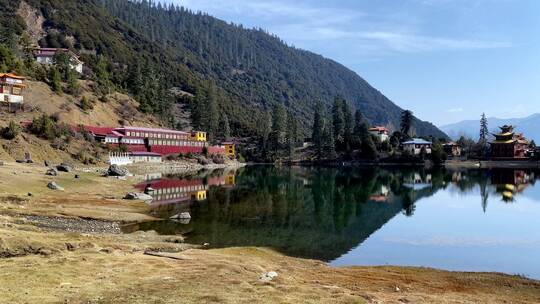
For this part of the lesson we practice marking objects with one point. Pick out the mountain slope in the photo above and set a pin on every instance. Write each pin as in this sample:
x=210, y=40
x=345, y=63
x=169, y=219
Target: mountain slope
x=529, y=126
x=248, y=70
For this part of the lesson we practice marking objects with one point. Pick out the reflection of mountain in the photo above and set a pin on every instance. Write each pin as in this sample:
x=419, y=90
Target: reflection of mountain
x=314, y=213
x=319, y=213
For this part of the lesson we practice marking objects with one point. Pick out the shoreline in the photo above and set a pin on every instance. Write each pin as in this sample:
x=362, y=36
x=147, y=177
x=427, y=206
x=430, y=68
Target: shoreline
x=54, y=233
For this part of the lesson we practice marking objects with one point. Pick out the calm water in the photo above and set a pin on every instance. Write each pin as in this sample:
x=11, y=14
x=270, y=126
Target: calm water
x=470, y=220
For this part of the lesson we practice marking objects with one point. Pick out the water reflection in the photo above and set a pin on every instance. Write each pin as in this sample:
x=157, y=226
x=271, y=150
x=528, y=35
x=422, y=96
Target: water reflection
x=317, y=213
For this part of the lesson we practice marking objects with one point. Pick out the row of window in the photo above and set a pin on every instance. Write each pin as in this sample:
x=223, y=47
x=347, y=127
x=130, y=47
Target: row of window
x=158, y=135
x=158, y=142
x=180, y=189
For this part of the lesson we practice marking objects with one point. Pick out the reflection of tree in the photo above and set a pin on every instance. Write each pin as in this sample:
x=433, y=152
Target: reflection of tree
x=313, y=212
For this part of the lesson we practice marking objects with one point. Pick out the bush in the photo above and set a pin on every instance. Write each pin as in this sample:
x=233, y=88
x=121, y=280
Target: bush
x=218, y=159
x=86, y=105
x=46, y=127
x=11, y=131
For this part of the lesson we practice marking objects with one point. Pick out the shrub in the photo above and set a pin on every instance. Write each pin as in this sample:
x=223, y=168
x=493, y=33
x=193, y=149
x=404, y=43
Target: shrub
x=11, y=131
x=86, y=105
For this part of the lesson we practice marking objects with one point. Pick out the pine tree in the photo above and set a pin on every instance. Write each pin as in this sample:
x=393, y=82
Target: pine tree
x=291, y=135
x=72, y=83
x=225, y=127
x=348, y=125
x=317, y=131
x=483, y=130
x=406, y=122
x=338, y=121
x=55, y=80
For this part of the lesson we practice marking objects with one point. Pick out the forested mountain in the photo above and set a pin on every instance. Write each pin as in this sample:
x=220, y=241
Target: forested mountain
x=146, y=49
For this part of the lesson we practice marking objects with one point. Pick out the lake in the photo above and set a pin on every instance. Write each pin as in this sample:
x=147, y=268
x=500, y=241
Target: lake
x=463, y=220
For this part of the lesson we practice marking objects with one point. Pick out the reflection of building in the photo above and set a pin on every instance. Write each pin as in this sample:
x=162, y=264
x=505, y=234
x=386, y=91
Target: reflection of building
x=452, y=149
x=382, y=195
x=418, y=182
x=416, y=145
x=174, y=191
x=508, y=144
x=380, y=132
x=11, y=87
x=511, y=182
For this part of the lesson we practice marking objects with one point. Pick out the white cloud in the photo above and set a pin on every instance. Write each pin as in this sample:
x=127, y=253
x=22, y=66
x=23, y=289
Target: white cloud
x=303, y=24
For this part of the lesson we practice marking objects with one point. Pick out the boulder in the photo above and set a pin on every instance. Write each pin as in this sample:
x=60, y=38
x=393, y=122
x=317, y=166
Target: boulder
x=115, y=170
x=181, y=216
x=52, y=172
x=269, y=276
x=138, y=196
x=54, y=186
x=47, y=163
x=64, y=167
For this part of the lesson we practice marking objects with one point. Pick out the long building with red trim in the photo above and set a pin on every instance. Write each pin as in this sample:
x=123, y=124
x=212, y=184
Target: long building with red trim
x=156, y=140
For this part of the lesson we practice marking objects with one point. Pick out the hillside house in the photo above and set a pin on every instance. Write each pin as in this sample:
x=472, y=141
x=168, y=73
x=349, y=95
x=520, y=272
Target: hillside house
x=452, y=149
x=11, y=88
x=230, y=149
x=47, y=56
x=508, y=144
x=380, y=132
x=416, y=145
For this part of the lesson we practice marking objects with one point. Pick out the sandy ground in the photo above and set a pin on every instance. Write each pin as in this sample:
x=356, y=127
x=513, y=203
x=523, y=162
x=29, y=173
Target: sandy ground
x=42, y=261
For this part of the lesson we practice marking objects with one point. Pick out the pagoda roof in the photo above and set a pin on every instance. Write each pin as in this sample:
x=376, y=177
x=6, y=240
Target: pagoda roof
x=417, y=141
x=11, y=75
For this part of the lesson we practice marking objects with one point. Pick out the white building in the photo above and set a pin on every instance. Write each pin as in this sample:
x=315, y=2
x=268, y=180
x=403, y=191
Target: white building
x=380, y=132
x=416, y=145
x=46, y=56
x=126, y=158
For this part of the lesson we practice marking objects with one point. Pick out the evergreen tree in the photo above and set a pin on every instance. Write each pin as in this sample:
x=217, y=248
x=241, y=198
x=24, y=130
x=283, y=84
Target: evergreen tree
x=212, y=115
x=317, y=131
x=291, y=135
x=329, y=144
x=348, y=125
x=225, y=127
x=279, y=120
x=483, y=130
x=55, y=80
x=72, y=83
x=338, y=120
x=406, y=122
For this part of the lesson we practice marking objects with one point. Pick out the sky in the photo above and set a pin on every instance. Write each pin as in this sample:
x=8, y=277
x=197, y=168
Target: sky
x=446, y=60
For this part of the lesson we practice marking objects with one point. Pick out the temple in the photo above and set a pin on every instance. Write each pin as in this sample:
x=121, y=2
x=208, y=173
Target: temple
x=508, y=144
x=11, y=87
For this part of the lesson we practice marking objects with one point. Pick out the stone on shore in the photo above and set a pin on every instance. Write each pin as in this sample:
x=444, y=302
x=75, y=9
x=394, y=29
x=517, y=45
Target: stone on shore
x=138, y=196
x=52, y=172
x=64, y=167
x=115, y=170
x=54, y=186
x=269, y=276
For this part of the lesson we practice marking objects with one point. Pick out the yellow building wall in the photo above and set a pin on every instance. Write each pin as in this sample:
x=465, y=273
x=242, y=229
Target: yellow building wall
x=198, y=136
x=230, y=150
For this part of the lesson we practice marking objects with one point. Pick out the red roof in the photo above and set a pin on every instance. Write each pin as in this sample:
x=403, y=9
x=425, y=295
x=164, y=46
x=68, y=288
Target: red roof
x=157, y=130
x=98, y=130
x=378, y=129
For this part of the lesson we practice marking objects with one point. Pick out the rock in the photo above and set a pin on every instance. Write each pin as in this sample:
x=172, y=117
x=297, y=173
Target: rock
x=47, y=163
x=397, y=289
x=138, y=196
x=30, y=194
x=181, y=216
x=29, y=161
x=77, y=176
x=269, y=276
x=115, y=170
x=21, y=161
x=1, y=163
x=52, y=172
x=64, y=167
x=54, y=186
x=149, y=190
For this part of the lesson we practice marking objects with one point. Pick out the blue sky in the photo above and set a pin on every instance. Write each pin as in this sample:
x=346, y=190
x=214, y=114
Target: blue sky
x=446, y=60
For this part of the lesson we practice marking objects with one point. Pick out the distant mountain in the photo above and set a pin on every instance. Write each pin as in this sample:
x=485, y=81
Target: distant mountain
x=148, y=46
x=529, y=126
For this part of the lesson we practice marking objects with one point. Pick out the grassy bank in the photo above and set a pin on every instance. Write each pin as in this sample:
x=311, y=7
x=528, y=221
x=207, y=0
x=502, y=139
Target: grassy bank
x=64, y=247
